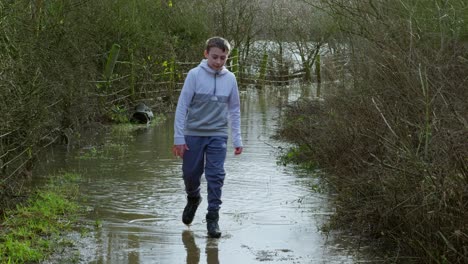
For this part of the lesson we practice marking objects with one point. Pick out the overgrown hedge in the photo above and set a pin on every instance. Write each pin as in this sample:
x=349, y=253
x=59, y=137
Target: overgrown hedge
x=392, y=137
x=52, y=58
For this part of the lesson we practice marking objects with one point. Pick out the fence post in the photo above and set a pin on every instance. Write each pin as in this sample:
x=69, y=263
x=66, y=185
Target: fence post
x=318, y=74
x=235, y=61
x=111, y=61
x=263, y=69
x=132, y=74
x=172, y=74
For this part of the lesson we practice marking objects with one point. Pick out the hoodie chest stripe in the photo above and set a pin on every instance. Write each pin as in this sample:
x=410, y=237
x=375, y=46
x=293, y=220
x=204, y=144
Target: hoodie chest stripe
x=208, y=98
x=207, y=83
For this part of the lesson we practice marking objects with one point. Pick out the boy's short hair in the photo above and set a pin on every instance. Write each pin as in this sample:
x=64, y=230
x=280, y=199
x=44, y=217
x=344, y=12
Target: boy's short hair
x=218, y=42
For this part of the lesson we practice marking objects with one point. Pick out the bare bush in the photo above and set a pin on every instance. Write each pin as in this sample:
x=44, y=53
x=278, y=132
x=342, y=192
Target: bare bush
x=52, y=58
x=393, y=137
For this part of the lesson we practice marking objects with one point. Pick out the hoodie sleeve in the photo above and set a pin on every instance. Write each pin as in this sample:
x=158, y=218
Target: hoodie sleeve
x=185, y=97
x=234, y=114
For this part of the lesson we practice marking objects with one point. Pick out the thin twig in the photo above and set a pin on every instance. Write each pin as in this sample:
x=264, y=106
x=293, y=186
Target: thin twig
x=383, y=117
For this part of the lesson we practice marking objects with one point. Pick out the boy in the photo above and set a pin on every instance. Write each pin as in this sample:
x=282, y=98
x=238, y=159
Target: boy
x=209, y=98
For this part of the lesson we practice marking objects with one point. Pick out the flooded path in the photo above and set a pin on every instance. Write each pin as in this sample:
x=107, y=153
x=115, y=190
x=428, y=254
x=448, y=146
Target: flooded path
x=134, y=193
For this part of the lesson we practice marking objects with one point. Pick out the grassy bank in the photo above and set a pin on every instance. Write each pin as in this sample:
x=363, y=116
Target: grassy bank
x=392, y=134
x=32, y=231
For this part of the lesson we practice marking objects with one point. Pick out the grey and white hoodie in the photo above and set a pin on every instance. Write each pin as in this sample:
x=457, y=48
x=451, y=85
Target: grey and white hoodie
x=207, y=101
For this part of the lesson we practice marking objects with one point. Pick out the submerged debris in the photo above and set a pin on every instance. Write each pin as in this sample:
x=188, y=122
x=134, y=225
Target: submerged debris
x=142, y=114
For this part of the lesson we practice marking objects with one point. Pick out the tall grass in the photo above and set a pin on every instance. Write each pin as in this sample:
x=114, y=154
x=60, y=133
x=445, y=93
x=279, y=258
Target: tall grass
x=393, y=135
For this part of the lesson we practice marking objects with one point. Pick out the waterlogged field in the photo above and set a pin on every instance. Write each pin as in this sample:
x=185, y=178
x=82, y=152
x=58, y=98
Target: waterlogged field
x=270, y=214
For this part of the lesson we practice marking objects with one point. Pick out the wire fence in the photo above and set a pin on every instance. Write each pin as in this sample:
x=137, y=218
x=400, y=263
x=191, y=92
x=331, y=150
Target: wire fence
x=168, y=81
x=160, y=87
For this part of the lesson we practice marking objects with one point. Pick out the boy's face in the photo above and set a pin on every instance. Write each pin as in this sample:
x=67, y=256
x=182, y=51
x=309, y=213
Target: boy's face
x=216, y=58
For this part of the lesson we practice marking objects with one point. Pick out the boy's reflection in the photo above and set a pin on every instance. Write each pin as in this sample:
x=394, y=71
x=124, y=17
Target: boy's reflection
x=193, y=251
x=211, y=251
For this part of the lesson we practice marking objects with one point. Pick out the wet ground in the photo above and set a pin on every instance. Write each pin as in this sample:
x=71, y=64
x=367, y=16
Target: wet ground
x=134, y=195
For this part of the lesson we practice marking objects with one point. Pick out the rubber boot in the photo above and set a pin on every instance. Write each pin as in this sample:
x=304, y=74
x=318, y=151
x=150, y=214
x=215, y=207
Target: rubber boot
x=212, y=219
x=190, y=209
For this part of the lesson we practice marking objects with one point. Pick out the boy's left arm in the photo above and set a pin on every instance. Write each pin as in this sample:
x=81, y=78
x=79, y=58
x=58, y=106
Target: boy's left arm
x=235, y=118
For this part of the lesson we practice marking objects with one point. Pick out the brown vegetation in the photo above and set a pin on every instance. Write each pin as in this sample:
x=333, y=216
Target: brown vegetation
x=393, y=135
x=53, y=81
x=67, y=65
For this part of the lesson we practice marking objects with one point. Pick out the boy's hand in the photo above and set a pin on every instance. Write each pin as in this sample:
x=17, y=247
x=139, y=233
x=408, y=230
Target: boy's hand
x=179, y=150
x=238, y=151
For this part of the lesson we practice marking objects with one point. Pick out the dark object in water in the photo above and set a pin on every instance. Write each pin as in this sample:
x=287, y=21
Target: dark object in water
x=142, y=114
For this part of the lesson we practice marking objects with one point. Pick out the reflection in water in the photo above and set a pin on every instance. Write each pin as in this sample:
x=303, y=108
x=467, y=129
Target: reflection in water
x=134, y=190
x=193, y=251
x=212, y=251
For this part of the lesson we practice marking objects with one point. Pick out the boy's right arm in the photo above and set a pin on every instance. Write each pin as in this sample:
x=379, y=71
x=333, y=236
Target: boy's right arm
x=185, y=97
x=179, y=150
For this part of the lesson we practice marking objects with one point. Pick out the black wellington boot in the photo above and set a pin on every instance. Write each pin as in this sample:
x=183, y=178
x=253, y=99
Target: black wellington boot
x=190, y=209
x=212, y=224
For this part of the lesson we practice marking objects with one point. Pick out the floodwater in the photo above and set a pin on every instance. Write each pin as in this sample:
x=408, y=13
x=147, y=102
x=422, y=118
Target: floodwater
x=134, y=195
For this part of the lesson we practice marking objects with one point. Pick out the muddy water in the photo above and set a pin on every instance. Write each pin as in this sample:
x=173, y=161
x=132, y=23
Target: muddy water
x=134, y=193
